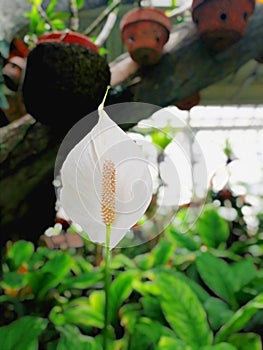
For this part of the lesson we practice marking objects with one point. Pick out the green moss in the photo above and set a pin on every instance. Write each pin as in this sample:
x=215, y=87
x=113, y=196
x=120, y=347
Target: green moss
x=63, y=83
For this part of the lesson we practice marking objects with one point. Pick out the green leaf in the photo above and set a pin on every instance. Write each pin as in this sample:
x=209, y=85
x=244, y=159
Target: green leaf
x=25, y=330
x=129, y=315
x=167, y=343
x=162, y=253
x=147, y=334
x=240, y=318
x=78, y=312
x=182, y=240
x=120, y=261
x=51, y=6
x=248, y=341
x=144, y=261
x=244, y=272
x=19, y=253
x=222, y=346
x=50, y=275
x=152, y=308
x=80, y=4
x=13, y=280
x=83, y=281
x=217, y=275
x=120, y=290
x=183, y=311
x=58, y=24
x=71, y=338
x=212, y=228
x=218, y=312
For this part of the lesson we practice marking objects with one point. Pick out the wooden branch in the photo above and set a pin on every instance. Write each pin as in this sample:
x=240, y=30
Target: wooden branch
x=187, y=66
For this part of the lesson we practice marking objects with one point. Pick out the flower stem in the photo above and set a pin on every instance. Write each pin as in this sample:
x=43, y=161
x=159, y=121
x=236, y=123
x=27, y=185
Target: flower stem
x=107, y=278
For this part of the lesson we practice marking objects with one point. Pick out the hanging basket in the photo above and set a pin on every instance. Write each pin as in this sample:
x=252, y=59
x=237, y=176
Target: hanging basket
x=65, y=79
x=221, y=23
x=189, y=102
x=144, y=32
x=69, y=38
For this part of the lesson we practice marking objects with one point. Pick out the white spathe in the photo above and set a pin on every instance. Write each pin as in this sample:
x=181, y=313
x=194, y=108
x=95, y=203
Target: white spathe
x=81, y=176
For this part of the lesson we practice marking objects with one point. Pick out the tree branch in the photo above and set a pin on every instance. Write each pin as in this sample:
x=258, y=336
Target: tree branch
x=187, y=66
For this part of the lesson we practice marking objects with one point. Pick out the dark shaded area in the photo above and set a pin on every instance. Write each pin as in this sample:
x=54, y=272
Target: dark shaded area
x=3, y=119
x=63, y=83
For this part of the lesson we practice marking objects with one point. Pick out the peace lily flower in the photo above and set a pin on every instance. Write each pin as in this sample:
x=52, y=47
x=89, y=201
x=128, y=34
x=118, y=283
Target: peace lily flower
x=105, y=182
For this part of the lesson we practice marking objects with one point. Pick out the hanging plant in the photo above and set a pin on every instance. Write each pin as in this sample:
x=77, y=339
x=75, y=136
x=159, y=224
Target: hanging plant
x=144, y=32
x=65, y=78
x=66, y=74
x=221, y=23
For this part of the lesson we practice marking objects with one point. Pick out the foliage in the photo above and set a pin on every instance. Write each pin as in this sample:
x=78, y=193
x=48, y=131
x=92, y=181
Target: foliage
x=191, y=291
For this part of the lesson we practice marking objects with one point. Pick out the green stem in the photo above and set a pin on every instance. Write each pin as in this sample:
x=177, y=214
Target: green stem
x=107, y=288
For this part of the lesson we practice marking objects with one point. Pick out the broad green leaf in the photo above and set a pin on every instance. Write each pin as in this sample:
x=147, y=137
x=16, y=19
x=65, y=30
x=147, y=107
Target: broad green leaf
x=183, y=311
x=25, y=330
x=212, y=228
x=19, y=253
x=167, y=343
x=162, y=253
x=217, y=275
x=248, y=341
x=144, y=261
x=152, y=308
x=222, y=346
x=78, y=312
x=120, y=261
x=71, y=338
x=182, y=240
x=83, y=281
x=244, y=272
x=13, y=280
x=120, y=290
x=146, y=288
x=239, y=320
x=147, y=334
x=50, y=275
x=129, y=315
x=218, y=312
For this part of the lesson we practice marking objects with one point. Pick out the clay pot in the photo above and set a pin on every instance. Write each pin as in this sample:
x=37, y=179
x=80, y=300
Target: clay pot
x=189, y=102
x=221, y=23
x=15, y=64
x=65, y=79
x=13, y=72
x=68, y=37
x=144, y=32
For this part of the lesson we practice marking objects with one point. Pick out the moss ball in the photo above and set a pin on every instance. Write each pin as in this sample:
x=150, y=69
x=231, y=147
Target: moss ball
x=63, y=83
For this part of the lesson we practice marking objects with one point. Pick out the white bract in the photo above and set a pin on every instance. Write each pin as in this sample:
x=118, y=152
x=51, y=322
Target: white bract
x=106, y=156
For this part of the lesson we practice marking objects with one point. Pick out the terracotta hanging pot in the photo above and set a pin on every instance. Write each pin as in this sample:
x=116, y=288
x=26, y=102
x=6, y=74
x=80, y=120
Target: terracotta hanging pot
x=221, y=23
x=13, y=68
x=144, y=31
x=65, y=79
x=70, y=38
x=189, y=102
